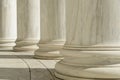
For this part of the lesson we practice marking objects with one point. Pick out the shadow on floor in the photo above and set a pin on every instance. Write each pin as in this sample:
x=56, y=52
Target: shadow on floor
x=14, y=56
x=26, y=74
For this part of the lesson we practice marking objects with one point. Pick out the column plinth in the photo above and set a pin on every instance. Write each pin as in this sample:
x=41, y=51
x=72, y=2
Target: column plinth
x=89, y=65
x=7, y=44
x=26, y=45
x=92, y=48
x=49, y=50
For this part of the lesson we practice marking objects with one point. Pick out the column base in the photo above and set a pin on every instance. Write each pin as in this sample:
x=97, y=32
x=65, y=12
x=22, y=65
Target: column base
x=25, y=46
x=65, y=77
x=89, y=65
x=69, y=73
x=48, y=55
x=7, y=44
x=49, y=50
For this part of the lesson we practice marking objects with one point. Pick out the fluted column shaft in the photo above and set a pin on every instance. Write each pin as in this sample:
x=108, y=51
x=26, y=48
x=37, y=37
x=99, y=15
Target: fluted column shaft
x=92, y=48
x=28, y=25
x=52, y=29
x=8, y=23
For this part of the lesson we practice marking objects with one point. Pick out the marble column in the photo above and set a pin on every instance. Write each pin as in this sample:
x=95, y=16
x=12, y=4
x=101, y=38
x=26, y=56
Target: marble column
x=52, y=29
x=92, y=48
x=28, y=25
x=8, y=24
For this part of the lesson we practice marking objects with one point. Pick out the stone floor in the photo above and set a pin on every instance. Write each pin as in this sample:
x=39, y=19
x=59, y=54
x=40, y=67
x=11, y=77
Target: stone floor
x=22, y=66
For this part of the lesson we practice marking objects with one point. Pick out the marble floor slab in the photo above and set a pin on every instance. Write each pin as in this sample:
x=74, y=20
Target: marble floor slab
x=22, y=66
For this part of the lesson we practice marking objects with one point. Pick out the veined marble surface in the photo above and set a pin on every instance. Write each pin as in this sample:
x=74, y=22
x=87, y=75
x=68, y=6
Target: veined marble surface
x=22, y=66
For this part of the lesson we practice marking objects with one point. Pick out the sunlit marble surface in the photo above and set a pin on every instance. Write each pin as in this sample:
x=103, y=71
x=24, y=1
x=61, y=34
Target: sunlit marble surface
x=22, y=66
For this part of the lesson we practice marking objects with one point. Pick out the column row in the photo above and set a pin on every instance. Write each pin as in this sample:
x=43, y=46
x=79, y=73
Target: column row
x=24, y=22
x=91, y=50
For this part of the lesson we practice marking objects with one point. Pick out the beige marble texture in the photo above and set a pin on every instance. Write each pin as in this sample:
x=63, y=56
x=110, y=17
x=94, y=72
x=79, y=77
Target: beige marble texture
x=22, y=66
x=8, y=24
x=52, y=29
x=28, y=13
x=92, y=47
